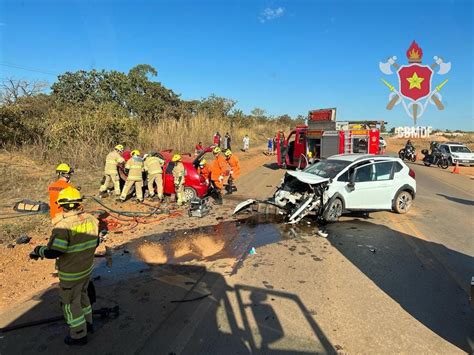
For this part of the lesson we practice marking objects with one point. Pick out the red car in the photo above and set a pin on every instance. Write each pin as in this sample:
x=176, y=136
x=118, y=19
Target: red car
x=194, y=184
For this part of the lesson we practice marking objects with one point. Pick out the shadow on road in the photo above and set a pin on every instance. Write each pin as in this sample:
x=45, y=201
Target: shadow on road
x=171, y=309
x=272, y=166
x=409, y=271
x=462, y=201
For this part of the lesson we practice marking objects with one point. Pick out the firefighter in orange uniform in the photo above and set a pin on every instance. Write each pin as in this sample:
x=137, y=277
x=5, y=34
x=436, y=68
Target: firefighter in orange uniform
x=204, y=170
x=234, y=164
x=64, y=173
x=218, y=171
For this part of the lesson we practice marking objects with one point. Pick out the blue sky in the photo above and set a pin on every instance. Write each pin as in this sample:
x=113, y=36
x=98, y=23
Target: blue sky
x=283, y=56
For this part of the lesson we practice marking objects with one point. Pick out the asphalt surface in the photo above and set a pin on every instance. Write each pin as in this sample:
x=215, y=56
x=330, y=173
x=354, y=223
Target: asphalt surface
x=385, y=283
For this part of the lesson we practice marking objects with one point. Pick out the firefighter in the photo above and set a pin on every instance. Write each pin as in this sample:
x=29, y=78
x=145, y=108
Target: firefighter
x=64, y=172
x=178, y=176
x=218, y=170
x=234, y=164
x=73, y=241
x=112, y=161
x=153, y=167
x=204, y=170
x=134, y=166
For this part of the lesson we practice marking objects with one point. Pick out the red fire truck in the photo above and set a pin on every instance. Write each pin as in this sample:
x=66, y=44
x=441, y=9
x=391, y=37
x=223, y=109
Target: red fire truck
x=323, y=137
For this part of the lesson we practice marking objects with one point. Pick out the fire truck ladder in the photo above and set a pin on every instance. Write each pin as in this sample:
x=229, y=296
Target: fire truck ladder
x=347, y=142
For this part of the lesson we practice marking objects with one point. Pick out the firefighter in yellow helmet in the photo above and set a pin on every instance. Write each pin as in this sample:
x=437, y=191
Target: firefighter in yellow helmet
x=178, y=175
x=112, y=161
x=134, y=167
x=218, y=170
x=153, y=166
x=64, y=172
x=73, y=241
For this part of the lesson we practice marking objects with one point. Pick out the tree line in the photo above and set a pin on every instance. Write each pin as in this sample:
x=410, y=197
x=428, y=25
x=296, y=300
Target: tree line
x=116, y=101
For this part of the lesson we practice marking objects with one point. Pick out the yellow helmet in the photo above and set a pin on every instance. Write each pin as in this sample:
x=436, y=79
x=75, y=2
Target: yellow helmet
x=69, y=196
x=216, y=150
x=176, y=158
x=135, y=152
x=228, y=153
x=310, y=154
x=202, y=162
x=119, y=147
x=64, y=169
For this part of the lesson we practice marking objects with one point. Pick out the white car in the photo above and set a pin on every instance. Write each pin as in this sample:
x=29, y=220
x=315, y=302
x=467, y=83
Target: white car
x=347, y=182
x=457, y=153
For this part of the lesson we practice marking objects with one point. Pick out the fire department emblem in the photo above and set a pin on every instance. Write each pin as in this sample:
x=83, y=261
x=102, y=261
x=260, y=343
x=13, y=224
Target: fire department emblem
x=415, y=89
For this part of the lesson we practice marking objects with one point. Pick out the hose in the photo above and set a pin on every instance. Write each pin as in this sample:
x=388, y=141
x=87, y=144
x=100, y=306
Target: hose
x=128, y=213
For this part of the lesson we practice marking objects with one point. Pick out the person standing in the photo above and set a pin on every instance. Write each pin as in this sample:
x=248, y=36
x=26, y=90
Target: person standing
x=228, y=140
x=246, y=142
x=112, y=162
x=134, y=166
x=217, y=139
x=153, y=166
x=178, y=176
x=64, y=172
x=270, y=146
x=234, y=165
x=218, y=170
x=73, y=241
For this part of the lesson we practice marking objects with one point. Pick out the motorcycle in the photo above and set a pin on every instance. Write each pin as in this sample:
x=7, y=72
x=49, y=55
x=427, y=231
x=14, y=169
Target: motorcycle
x=435, y=158
x=408, y=154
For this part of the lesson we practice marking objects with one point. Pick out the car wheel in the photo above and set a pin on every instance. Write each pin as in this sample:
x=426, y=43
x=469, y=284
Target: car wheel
x=334, y=210
x=189, y=193
x=403, y=202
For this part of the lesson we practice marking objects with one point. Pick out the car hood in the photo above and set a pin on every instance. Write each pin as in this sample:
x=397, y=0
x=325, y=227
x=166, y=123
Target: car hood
x=307, y=178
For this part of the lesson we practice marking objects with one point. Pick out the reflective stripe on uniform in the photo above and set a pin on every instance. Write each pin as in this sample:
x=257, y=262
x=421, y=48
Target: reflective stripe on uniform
x=82, y=246
x=60, y=244
x=155, y=172
x=41, y=251
x=74, y=276
x=85, y=228
x=73, y=322
x=87, y=310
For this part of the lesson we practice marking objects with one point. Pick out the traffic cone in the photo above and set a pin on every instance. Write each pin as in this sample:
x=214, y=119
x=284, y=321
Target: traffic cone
x=456, y=169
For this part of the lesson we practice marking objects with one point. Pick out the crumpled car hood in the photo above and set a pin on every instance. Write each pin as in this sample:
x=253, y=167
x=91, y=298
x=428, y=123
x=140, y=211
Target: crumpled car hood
x=307, y=178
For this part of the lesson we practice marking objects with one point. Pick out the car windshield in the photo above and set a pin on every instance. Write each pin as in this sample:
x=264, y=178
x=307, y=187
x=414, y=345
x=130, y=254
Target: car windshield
x=327, y=168
x=459, y=149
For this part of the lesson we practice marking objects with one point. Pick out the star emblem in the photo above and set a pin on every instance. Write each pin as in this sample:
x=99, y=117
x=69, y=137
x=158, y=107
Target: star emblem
x=415, y=81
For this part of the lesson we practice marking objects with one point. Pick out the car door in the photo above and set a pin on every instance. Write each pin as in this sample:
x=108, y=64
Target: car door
x=371, y=187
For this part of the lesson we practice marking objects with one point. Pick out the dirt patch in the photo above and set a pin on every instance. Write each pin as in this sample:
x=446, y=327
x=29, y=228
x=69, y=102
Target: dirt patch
x=21, y=278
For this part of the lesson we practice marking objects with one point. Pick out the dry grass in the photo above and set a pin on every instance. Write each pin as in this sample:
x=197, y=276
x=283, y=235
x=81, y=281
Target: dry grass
x=183, y=135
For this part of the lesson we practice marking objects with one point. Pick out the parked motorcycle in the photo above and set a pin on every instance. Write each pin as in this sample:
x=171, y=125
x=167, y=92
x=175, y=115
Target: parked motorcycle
x=408, y=154
x=435, y=158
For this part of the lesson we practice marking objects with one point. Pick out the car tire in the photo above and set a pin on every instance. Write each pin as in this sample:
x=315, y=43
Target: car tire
x=403, y=202
x=189, y=193
x=334, y=210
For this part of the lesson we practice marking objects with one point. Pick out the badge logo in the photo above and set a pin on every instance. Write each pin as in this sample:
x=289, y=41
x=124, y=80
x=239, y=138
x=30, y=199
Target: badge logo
x=415, y=90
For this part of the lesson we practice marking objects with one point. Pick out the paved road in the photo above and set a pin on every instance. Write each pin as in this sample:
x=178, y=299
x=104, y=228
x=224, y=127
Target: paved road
x=389, y=283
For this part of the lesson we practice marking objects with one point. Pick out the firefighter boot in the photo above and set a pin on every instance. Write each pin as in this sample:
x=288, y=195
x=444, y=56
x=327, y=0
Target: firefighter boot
x=71, y=341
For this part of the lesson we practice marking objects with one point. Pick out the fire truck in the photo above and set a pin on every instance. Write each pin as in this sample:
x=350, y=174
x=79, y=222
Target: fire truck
x=323, y=136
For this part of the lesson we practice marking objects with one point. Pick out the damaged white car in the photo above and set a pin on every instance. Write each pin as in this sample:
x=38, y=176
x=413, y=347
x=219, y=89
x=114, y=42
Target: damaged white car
x=340, y=184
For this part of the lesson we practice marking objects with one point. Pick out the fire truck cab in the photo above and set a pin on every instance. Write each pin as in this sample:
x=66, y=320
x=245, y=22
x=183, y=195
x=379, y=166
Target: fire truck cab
x=323, y=137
